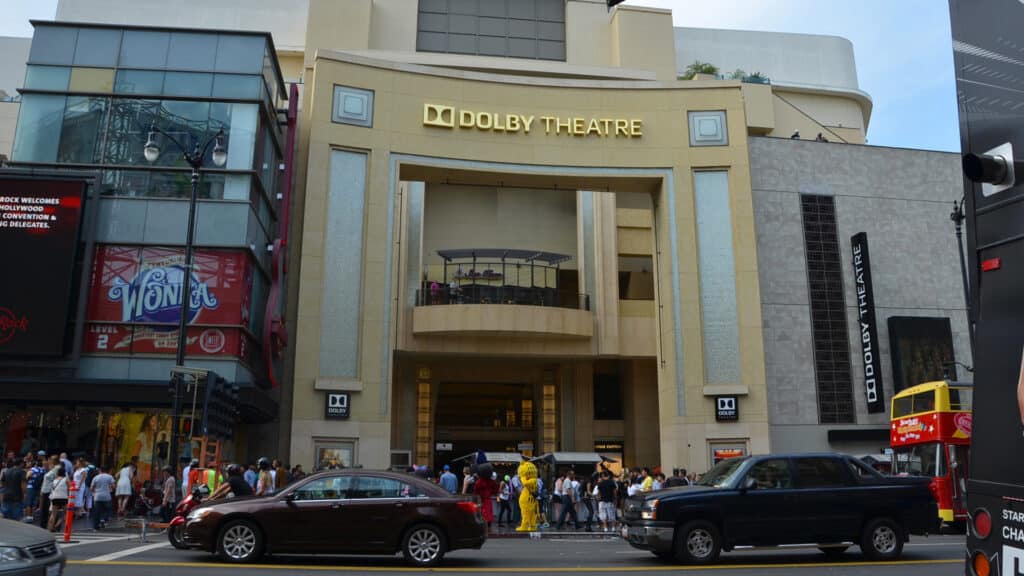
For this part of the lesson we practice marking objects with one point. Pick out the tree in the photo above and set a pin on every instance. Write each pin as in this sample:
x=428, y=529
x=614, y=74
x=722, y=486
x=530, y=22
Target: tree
x=738, y=74
x=699, y=67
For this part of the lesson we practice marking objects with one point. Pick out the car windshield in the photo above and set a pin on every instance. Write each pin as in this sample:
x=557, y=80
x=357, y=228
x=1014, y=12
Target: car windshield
x=723, y=473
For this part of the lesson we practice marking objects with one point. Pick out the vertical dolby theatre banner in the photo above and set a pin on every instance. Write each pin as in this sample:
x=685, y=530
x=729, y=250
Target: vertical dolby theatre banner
x=867, y=327
x=988, y=48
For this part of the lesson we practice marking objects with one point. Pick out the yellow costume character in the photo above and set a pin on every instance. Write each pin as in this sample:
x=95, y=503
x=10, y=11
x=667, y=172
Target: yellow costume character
x=528, y=498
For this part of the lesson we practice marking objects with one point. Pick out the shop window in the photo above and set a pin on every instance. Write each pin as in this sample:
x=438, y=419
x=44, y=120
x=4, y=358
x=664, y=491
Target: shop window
x=636, y=278
x=607, y=397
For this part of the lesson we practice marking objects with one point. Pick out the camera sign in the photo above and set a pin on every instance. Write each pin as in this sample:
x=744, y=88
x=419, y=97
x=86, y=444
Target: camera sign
x=337, y=405
x=727, y=408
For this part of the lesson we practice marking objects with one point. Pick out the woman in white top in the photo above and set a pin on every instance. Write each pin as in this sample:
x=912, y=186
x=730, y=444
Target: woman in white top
x=124, y=488
x=80, y=489
x=58, y=500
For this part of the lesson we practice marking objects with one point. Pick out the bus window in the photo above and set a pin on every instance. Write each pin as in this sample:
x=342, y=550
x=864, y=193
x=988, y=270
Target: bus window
x=960, y=399
x=920, y=460
x=924, y=402
x=902, y=406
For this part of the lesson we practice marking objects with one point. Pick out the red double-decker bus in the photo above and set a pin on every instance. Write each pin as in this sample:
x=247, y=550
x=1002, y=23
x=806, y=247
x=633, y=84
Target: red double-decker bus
x=930, y=435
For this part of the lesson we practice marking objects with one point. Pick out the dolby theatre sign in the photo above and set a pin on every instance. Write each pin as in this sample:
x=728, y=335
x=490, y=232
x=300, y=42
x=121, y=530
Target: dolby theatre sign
x=440, y=116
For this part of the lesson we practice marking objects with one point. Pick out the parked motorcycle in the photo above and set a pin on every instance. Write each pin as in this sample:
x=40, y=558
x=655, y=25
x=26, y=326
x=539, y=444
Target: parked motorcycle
x=176, y=529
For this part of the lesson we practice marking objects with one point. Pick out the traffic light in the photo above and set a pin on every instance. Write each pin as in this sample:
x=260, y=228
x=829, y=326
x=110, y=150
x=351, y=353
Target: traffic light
x=220, y=407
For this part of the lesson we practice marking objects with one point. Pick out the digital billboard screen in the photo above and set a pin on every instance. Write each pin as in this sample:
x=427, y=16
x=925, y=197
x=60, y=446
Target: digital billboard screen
x=39, y=229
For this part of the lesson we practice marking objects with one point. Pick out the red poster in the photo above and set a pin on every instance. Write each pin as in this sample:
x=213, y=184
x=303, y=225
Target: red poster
x=135, y=302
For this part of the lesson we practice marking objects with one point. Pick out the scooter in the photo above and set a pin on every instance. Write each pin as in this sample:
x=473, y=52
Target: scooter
x=176, y=529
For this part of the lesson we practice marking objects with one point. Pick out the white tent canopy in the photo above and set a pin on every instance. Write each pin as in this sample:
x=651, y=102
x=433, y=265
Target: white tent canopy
x=503, y=457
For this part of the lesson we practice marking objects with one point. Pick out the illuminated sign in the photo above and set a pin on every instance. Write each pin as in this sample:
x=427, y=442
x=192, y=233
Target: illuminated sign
x=441, y=116
x=39, y=227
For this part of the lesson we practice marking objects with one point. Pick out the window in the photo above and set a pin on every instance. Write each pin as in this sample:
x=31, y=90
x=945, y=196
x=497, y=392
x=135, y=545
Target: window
x=828, y=310
x=861, y=470
x=192, y=51
x=47, y=78
x=39, y=124
x=636, y=278
x=97, y=47
x=334, y=488
x=771, y=475
x=607, y=397
x=92, y=80
x=920, y=460
x=139, y=82
x=242, y=54
x=188, y=84
x=506, y=28
x=53, y=45
x=83, y=126
x=144, y=49
x=376, y=487
x=820, y=472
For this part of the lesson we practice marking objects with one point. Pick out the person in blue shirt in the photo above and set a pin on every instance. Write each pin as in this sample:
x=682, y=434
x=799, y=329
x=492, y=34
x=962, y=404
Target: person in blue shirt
x=250, y=476
x=449, y=481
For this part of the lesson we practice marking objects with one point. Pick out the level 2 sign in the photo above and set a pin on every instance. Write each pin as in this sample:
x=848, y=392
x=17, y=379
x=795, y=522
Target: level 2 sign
x=337, y=405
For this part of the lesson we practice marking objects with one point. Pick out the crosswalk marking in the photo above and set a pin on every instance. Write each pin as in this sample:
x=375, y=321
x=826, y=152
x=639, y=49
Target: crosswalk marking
x=129, y=552
x=82, y=539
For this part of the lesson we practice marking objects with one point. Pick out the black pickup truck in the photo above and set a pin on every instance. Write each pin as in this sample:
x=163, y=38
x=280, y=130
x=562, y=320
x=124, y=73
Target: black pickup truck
x=831, y=501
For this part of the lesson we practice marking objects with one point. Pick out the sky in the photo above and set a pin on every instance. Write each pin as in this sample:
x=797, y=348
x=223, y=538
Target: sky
x=902, y=48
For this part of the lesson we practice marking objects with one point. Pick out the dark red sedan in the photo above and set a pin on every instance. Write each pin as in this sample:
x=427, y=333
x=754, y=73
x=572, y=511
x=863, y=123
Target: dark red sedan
x=341, y=512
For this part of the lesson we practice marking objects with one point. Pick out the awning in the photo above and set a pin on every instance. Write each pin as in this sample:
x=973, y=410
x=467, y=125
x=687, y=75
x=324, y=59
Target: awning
x=574, y=458
x=501, y=457
x=549, y=258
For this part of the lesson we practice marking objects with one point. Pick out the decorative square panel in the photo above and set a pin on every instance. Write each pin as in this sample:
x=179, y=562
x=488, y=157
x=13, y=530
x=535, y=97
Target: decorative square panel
x=708, y=128
x=353, y=106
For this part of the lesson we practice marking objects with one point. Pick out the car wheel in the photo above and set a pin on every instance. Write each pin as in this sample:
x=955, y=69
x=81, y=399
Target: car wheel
x=882, y=540
x=833, y=552
x=698, y=542
x=423, y=545
x=240, y=541
x=176, y=536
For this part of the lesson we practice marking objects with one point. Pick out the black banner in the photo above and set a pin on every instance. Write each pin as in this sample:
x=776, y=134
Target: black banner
x=39, y=228
x=870, y=357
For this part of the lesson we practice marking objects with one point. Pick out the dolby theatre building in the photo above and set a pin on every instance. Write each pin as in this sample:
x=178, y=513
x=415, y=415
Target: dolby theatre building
x=515, y=227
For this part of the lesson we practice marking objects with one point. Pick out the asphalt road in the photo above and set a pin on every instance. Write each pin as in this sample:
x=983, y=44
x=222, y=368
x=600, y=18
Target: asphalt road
x=124, y=555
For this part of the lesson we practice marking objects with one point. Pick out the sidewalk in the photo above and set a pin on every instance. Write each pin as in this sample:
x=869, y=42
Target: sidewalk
x=567, y=531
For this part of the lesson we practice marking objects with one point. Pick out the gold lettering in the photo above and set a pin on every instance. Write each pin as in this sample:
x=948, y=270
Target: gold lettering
x=593, y=127
x=607, y=122
x=527, y=123
x=578, y=126
x=547, y=123
x=636, y=127
x=512, y=122
x=498, y=126
x=559, y=124
x=465, y=119
x=481, y=118
x=621, y=127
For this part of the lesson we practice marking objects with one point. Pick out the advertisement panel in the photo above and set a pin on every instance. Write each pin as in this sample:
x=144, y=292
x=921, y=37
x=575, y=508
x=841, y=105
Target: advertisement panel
x=990, y=72
x=39, y=232
x=921, y=350
x=135, y=302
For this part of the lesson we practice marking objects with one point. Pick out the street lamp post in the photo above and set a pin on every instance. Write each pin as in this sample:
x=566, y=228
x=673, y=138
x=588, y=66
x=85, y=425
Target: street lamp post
x=958, y=217
x=194, y=159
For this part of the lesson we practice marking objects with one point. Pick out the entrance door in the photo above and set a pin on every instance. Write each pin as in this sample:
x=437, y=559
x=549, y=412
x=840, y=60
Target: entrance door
x=493, y=417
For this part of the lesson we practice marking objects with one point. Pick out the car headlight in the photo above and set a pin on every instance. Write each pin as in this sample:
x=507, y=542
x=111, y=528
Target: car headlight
x=649, y=510
x=11, y=555
x=199, y=513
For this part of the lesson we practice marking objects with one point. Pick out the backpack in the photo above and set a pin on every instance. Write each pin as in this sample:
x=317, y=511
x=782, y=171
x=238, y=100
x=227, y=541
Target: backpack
x=90, y=474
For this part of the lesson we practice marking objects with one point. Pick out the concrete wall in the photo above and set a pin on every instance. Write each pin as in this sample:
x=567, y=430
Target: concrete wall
x=8, y=122
x=785, y=58
x=490, y=217
x=13, y=55
x=902, y=199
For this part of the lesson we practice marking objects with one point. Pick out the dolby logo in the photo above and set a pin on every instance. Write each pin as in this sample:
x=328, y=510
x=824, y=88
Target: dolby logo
x=438, y=115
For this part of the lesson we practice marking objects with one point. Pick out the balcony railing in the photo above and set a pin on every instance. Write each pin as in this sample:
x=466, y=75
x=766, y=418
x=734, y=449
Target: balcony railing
x=438, y=295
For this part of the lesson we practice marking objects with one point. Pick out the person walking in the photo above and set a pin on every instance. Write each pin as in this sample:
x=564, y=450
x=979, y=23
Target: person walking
x=570, y=496
x=186, y=475
x=79, y=477
x=102, y=488
x=34, y=479
x=47, y=489
x=517, y=489
x=58, y=500
x=265, y=480
x=124, y=488
x=467, y=480
x=586, y=493
x=449, y=481
x=646, y=481
x=15, y=485
x=486, y=488
x=170, y=494
x=504, y=495
x=607, y=494
x=250, y=476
